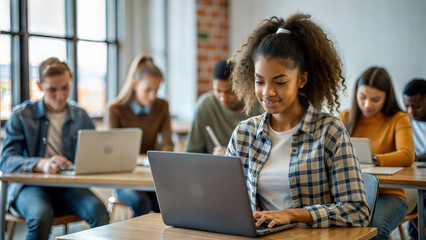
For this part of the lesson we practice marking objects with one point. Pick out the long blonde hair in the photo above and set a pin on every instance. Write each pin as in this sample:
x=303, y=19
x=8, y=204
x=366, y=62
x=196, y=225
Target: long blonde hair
x=142, y=65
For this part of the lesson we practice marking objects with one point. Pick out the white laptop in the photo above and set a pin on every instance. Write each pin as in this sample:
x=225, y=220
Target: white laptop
x=204, y=192
x=113, y=150
x=362, y=149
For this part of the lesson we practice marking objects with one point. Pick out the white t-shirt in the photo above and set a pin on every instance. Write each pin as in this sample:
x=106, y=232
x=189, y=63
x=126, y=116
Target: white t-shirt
x=54, y=134
x=273, y=183
x=419, y=134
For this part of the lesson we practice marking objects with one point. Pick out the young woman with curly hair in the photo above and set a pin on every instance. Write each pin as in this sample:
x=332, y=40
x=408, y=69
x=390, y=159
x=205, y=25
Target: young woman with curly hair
x=298, y=161
x=375, y=114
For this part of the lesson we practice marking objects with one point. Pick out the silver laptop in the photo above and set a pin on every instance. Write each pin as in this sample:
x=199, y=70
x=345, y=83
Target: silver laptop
x=362, y=149
x=204, y=192
x=106, y=151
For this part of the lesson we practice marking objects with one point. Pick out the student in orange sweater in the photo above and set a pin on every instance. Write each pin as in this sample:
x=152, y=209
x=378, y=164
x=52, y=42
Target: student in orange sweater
x=375, y=114
x=137, y=105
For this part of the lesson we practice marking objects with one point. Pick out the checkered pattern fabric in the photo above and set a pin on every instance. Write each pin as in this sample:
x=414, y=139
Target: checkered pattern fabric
x=324, y=174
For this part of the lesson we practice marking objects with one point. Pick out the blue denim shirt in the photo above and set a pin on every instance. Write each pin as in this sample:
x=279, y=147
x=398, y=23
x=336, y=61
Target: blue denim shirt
x=23, y=144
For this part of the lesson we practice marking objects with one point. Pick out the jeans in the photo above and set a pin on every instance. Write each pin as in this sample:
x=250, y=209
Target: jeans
x=39, y=205
x=141, y=202
x=390, y=211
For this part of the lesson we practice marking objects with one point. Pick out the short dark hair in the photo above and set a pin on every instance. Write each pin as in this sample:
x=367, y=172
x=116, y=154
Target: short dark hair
x=416, y=86
x=222, y=70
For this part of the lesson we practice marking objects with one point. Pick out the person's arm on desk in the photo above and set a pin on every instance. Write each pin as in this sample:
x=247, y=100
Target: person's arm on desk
x=404, y=143
x=53, y=164
x=12, y=157
x=281, y=217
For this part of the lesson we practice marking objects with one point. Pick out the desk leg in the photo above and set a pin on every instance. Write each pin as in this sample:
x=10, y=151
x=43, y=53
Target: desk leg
x=3, y=189
x=420, y=210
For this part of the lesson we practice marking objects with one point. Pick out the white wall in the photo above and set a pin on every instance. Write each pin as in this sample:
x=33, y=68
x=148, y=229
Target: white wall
x=182, y=58
x=170, y=40
x=390, y=33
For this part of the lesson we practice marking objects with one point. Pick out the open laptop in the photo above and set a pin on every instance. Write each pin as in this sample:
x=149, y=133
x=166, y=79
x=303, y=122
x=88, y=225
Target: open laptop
x=204, y=192
x=362, y=149
x=106, y=151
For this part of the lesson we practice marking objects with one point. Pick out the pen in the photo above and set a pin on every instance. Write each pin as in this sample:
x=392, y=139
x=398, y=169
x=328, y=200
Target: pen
x=213, y=136
x=51, y=146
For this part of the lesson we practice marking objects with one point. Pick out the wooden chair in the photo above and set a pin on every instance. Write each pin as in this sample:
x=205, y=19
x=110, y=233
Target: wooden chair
x=411, y=195
x=62, y=220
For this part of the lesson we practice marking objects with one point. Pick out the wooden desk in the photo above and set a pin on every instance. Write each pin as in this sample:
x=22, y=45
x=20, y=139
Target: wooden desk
x=140, y=179
x=151, y=226
x=410, y=177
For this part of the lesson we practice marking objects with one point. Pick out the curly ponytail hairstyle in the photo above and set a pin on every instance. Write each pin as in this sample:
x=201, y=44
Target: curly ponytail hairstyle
x=307, y=48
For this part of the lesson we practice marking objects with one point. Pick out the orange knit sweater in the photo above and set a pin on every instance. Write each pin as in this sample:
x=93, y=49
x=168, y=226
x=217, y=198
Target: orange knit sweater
x=391, y=140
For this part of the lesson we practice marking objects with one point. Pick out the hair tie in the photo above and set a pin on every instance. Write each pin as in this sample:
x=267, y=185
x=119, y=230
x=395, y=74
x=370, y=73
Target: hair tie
x=283, y=30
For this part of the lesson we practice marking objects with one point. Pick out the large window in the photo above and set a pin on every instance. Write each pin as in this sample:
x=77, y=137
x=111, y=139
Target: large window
x=81, y=32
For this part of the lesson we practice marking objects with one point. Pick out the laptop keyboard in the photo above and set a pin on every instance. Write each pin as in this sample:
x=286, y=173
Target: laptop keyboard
x=69, y=172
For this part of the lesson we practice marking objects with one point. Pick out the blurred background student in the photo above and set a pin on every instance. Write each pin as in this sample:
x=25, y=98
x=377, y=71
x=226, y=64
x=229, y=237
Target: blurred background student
x=415, y=106
x=375, y=114
x=137, y=105
x=414, y=96
x=221, y=110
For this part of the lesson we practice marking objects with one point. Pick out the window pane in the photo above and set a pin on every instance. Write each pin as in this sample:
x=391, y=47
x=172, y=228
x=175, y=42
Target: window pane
x=5, y=77
x=41, y=49
x=91, y=19
x=5, y=15
x=46, y=17
x=92, y=70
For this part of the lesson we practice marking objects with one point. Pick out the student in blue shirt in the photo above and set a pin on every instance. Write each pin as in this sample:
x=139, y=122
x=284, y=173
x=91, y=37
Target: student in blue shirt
x=298, y=161
x=41, y=137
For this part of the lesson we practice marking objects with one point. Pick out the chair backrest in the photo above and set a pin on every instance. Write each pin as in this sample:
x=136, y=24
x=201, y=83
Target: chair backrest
x=371, y=184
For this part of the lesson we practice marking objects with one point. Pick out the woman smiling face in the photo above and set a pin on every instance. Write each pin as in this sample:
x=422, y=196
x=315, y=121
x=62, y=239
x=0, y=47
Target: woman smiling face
x=277, y=86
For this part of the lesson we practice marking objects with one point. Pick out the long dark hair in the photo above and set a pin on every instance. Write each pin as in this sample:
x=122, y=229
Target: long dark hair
x=375, y=77
x=303, y=45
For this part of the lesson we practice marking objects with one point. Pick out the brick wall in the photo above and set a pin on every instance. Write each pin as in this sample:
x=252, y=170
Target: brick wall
x=212, y=43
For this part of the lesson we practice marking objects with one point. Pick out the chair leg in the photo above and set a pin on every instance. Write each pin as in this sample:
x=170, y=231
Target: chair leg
x=11, y=230
x=66, y=229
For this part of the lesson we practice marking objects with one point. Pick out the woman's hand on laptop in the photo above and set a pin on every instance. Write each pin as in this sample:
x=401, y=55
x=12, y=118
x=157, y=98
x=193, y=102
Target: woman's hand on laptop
x=281, y=217
x=53, y=164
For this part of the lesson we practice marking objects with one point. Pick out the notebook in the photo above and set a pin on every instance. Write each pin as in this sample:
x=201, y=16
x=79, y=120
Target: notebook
x=362, y=149
x=106, y=151
x=204, y=192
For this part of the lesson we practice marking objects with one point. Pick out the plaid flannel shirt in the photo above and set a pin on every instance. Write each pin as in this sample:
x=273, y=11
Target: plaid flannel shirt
x=324, y=175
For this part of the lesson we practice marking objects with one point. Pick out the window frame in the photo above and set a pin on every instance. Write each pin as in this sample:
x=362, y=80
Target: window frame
x=19, y=35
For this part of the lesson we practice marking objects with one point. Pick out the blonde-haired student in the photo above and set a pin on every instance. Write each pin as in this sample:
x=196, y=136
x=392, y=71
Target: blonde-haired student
x=137, y=105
